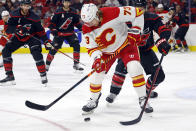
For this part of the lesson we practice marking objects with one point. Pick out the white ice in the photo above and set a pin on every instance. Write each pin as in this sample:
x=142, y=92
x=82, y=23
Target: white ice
x=174, y=109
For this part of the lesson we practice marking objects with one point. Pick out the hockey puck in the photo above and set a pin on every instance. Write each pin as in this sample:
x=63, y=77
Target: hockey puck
x=87, y=119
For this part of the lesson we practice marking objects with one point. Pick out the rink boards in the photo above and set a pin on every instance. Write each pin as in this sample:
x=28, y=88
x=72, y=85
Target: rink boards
x=65, y=48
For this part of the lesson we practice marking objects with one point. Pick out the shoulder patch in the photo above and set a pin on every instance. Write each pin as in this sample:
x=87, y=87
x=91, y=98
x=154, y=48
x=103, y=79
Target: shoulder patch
x=139, y=12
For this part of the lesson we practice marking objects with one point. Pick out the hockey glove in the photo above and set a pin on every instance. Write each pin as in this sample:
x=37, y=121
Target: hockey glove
x=22, y=30
x=48, y=45
x=54, y=32
x=163, y=46
x=99, y=65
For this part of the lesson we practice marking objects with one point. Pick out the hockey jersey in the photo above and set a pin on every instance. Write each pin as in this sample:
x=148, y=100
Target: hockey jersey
x=3, y=36
x=65, y=21
x=111, y=34
x=32, y=21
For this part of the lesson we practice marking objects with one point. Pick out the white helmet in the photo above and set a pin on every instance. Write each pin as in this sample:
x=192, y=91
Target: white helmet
x=5, y=13
x=89, y=12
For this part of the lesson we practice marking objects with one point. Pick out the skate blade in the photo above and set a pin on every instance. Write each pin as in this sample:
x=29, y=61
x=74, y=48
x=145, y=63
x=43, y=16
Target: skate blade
x=87, y=113
x=44, y=85
x=78, y=71
x=10, y=83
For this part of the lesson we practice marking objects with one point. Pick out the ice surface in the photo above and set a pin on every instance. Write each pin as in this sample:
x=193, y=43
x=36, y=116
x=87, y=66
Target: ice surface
x=174, y=110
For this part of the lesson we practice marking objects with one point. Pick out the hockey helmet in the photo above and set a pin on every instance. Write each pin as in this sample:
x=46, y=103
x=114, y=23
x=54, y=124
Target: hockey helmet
x=26, y=2
x=5, y=13
x=140, y=3
x=89, y=12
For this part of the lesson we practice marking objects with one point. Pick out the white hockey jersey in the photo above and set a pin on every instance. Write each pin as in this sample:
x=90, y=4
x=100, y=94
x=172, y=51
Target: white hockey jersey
x=112, y=34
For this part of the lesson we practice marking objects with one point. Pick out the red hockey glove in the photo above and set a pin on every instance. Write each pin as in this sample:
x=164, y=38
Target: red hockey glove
x=48, y=45
x=99, y=65
x=163, y=46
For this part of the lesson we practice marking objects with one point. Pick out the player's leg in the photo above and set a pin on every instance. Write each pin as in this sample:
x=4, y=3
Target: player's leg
x=57, y=43
x=130, y=57
x=149, y=62
x=178, y=36
x=1, y=60
x=10, y=47
x=74, y=42
x=182, y=38
x=117, y=81
x=95, y=87
x=3, y=41
x=36, y=49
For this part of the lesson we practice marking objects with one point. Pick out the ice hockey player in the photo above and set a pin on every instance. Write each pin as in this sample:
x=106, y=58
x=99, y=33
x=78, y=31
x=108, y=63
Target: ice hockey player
x=25, y=25
x=149, y=60
x=182, y=21
x=105, y=33
x=62, y=27
x=3, y=36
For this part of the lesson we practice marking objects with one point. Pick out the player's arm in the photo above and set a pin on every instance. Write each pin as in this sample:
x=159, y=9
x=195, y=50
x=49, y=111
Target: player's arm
x=53, y=26
x=133, y=15
x=10, y=26
x=77, y=22
x=164, y=33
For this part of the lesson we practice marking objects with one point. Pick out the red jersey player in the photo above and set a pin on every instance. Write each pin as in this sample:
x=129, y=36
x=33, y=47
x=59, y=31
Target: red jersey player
x=3, y=36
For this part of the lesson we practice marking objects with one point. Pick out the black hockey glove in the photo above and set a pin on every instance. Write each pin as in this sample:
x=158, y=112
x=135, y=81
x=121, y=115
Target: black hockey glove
x=163, y=46
x=48, y=45
x=22, y=30
x=54, y=32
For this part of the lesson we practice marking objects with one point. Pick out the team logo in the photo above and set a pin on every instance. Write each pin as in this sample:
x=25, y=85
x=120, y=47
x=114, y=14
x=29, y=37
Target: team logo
x=104, y=39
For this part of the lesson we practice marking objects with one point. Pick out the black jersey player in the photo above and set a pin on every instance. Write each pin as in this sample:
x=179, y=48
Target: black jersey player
x=26, y=28
x=62, y=27
x=182, y=21
x=149, y=60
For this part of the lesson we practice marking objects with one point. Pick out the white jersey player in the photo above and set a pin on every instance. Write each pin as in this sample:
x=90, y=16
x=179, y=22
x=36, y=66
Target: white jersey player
x=105, y=33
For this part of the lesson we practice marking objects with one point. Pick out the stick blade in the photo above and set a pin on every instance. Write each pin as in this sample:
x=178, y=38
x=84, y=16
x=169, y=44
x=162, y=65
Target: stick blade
x=35, y=106
x=132, y=122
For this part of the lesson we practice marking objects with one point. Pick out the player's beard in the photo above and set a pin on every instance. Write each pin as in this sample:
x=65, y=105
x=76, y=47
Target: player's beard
x=25, y=11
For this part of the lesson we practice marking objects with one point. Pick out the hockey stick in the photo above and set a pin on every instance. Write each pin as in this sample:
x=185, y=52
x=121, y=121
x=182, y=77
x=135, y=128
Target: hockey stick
x=61, y=52
x=46, y=107
x=138, y=119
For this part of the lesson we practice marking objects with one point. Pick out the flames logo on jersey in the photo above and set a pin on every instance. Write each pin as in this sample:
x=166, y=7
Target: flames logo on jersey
x=101, y=40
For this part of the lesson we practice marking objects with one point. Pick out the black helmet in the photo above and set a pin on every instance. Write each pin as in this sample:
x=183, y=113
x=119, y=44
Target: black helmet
x=140, y=3
x=25, y=1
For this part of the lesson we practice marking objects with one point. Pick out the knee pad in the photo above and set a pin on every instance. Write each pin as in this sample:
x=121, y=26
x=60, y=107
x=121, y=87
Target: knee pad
x=76, y=47
x=97, y=78
x=134, y=68
x=160, y=77
x=36, y=52
x=120, y=68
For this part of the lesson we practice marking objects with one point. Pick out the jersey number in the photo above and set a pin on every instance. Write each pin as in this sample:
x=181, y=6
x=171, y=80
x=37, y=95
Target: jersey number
x=127, y=10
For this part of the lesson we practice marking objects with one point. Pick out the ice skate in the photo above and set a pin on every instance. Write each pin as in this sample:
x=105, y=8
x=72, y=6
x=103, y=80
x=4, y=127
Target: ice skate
x=9, y=80
x=179, y=50
x=153, y=94
x=186, y=49
x=148, y=108
x=90, y=106
x=44, y=80
x=77, y=67
x=110, y=98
